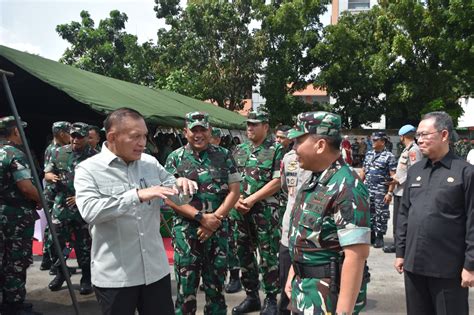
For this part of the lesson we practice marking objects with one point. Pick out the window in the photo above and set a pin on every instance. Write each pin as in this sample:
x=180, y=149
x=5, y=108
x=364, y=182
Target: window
x=359, y=4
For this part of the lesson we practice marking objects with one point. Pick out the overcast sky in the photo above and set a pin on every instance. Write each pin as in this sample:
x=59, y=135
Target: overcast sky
x=30, y=25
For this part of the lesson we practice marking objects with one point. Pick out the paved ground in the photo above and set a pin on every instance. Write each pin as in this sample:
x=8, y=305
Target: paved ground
x=385, y=293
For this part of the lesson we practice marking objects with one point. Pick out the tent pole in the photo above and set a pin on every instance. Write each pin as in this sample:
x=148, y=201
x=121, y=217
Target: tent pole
x=231, y=137
x=38, y=186
x=178, y=137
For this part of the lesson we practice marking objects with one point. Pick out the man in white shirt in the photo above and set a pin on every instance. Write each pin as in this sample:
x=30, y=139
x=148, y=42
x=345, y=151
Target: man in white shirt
x=119, y=193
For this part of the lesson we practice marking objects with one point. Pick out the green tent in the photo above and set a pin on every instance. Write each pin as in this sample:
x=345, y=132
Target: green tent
x=103, y=94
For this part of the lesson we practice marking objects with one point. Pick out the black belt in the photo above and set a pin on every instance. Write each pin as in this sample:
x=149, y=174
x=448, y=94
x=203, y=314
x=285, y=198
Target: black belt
x=305, y=271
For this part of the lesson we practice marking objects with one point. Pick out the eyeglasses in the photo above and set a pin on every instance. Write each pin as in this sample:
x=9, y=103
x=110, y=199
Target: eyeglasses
x=420, y=135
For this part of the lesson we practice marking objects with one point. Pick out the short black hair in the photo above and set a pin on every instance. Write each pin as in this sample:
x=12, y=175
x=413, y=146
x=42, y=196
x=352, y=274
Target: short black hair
x=95, y=128
x=283, y=128
x=118, y=115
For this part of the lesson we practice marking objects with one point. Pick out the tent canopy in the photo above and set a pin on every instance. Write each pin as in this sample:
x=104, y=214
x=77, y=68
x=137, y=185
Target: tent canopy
x=102, y=94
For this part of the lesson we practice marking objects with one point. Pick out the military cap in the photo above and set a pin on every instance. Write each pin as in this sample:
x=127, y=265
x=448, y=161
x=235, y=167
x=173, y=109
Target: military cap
x=80, y=128
x=9, y=121
x=379, y=135
x=317, y=123
x=61, y=126
x=406, y=129
x=257, y=117
x=194, y=119
x=216, y=132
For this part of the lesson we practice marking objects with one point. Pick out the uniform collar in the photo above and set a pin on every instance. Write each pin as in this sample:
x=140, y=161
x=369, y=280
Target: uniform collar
x=324, y=176
x=189, y=149
x=267, y=142
x=446, y=161
x=107, y=155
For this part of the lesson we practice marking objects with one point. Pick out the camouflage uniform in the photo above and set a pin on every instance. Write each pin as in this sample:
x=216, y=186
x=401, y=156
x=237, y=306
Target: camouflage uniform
x=462, y=148
x=331, y=211
x=258, y=228
x=377, y=167
x=67, y=219
x=49, y=187
x=216, y=132
x=213, y=169
x=17, y=219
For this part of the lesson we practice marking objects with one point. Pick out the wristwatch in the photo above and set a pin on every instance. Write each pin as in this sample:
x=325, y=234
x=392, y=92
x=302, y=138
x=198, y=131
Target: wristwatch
x=198, y=216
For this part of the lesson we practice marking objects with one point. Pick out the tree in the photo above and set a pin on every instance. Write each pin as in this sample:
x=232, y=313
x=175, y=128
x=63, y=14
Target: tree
x=290, y=29
x=402, y=58
x=108, y=49
x=208, y=52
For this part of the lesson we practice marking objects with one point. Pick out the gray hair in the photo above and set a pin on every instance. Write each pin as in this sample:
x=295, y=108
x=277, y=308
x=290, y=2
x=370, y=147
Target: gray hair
x=116, y=117
x=442, y=121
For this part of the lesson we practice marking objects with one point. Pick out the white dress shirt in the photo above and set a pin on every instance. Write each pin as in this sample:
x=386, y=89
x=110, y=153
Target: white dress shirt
x=127, y=248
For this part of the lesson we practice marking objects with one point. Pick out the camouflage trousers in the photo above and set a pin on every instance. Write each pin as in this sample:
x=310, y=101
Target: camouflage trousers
x=193, y=259
x=16, y=239
x=379, y=211
x=258, y=230
x=232, y=257
x=77, y=232
x=312, y=296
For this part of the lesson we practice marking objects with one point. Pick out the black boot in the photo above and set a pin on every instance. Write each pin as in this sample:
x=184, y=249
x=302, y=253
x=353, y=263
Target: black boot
x=378, y=241
x=372, y=237
x=86, y=284
x=53, y=270
x=250, y=304
x=46, y=262
x=234, y=284
x=58, y=281
x=390, y=249
x=270, y=305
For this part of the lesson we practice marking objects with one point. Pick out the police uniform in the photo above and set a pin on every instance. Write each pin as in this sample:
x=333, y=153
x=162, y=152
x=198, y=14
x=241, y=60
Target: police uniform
x=409, y=156
x=435, y=235
x=331, y=211
x=17, y=220
x=292, y=178
x=67, y=219
x=257, y=229
x=213, y=169
x=377, y=167
x=49, y=188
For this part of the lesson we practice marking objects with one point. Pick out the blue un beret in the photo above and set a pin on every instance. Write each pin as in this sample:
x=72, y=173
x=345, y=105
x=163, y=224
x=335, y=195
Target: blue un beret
x=406, y=129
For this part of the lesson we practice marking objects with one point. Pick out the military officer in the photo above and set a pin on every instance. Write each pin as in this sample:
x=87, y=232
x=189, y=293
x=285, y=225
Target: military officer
x=60, y=171
x=18, y=200
x=256, y=214
x=409, y=156
x=94, y=137
x=281, y=136
x=61, y=137
x=329, y=223
x=216, y=136
x=378, y=168
x=200, y=229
